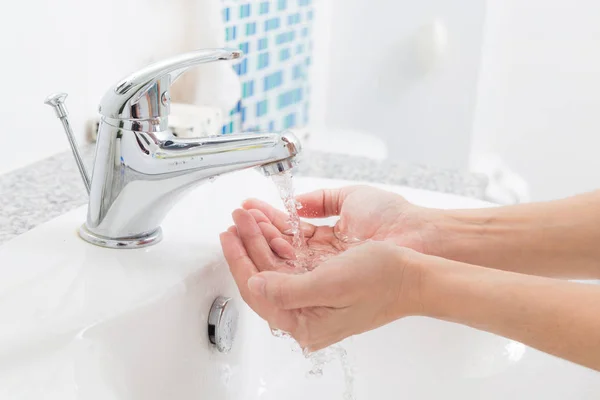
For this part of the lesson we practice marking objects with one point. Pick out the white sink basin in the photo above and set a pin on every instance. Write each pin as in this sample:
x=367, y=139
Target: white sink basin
x=83, y=322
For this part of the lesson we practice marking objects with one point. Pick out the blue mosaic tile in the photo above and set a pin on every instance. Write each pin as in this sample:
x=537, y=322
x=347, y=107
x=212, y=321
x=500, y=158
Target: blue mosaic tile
x=275, y=37
x=264, y=7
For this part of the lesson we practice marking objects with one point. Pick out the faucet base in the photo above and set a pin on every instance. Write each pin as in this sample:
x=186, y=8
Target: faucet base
x=136, y=242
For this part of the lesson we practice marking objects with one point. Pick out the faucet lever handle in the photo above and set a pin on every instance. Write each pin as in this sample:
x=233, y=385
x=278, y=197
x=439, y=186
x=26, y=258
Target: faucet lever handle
x=144, y=94
x=57, y=101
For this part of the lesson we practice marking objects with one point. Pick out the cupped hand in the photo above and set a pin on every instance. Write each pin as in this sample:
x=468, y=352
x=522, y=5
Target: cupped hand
x=365, y=287
x=365, y=213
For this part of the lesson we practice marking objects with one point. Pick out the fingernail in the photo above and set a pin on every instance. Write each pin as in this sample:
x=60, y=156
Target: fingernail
x=257, y=284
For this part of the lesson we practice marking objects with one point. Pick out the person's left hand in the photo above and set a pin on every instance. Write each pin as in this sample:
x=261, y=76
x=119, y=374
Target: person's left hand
x=365, y=213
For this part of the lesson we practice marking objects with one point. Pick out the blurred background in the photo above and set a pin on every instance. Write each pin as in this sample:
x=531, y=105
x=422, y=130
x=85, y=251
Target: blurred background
x=505, y=88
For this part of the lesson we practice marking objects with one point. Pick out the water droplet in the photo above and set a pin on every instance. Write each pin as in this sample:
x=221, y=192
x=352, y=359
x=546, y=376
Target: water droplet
x=278, y=333
x=226, y=374
x=262, y=389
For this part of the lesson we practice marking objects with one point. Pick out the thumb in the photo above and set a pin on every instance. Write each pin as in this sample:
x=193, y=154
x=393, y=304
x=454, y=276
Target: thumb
x=323, y=203
x=286, y=291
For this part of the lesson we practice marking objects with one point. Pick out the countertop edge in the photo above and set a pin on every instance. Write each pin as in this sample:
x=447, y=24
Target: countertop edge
x=51, y=187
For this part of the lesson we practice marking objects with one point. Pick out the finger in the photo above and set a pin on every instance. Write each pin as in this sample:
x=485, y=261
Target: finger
x=277, y=217
x=289, y=291
x=242, y=269
x=279, y=243
x=255, y=243
x=241, y=266
x=232, y=229
x=270, y=232
x=259, y=216
x=281, y=246
x=323, y=203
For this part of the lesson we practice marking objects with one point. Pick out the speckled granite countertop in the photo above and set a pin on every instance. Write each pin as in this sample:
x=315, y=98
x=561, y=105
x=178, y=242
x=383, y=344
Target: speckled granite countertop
x=42, y=191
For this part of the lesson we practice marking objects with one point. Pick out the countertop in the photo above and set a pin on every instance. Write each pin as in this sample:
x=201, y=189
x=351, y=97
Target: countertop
x=42, y=191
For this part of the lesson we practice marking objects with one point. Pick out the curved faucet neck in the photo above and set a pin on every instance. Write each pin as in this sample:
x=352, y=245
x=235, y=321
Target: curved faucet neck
x=139, y=176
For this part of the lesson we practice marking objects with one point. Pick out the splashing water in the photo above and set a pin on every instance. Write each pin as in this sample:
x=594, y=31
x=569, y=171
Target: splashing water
x=306, y=260
x=320, y=358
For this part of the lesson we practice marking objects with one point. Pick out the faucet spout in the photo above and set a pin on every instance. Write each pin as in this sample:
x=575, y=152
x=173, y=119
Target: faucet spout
x=139, y=176
x=293, y=145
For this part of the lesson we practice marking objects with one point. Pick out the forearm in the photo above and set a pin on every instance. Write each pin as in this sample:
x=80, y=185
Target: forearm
x=557, y=239
x=554, y=316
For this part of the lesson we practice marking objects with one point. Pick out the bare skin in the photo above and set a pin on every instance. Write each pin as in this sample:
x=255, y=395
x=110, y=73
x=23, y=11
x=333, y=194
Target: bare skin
x=364, y=214
x=398, y=256
x=557, y=239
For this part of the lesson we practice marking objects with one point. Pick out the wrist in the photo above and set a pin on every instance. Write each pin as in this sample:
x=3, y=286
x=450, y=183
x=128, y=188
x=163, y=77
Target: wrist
x=462, y=234
x=441, y=233
x=441, y=283
x=412, y=273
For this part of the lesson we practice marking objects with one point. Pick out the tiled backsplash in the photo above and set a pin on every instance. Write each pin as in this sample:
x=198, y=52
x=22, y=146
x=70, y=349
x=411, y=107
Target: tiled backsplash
x=275, y=36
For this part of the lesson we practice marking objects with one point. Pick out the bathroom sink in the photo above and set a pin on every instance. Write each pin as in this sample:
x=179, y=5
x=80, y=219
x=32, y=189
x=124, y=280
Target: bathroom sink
x=84, y=322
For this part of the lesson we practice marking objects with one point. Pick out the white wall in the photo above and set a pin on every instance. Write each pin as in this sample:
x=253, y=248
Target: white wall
x=80, y=47
x=376, y=80
x=538, y=102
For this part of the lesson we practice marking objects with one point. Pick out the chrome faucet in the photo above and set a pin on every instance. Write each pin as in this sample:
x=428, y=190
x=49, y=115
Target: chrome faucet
x=141, y=169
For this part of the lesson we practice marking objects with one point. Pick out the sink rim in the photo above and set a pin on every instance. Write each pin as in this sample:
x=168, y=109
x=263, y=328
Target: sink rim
x=69, y=259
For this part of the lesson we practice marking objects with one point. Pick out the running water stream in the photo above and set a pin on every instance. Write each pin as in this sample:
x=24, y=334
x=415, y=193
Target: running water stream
x=285, y=184
x=305, y=261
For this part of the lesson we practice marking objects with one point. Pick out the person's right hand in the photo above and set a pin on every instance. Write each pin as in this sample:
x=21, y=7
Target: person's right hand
x=365, y=213
x=365, y=287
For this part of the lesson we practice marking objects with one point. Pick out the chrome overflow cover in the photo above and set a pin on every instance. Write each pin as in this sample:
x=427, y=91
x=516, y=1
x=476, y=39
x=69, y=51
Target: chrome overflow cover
x=222, y=323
